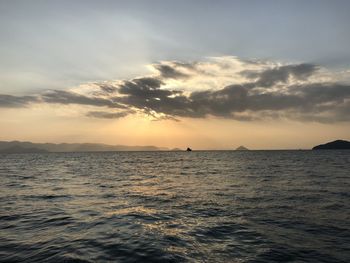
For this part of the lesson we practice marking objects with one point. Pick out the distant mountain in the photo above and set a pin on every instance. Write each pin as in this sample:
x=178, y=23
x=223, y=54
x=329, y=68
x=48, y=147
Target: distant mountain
x=19, y=149
x=72, y=147
x=242, y=148
x=335, y=145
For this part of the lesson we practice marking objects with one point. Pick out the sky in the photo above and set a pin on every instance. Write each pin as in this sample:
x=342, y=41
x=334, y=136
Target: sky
x=206, y=74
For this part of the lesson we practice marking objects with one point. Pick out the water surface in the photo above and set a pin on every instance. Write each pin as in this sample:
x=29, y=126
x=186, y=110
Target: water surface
x=255, y=206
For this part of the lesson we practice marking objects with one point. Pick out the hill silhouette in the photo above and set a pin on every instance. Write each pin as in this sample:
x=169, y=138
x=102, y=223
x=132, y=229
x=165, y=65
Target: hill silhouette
x=335, y=145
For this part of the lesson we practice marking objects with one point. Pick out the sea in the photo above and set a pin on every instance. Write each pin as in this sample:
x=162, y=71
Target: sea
x=199, y=206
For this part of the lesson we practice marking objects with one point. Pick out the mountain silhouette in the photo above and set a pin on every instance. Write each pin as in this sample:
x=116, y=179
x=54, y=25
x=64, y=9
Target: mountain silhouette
x=18, y=146
x=19, y=149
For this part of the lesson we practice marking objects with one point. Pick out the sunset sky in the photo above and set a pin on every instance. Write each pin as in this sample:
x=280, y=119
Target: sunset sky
x=205, y=74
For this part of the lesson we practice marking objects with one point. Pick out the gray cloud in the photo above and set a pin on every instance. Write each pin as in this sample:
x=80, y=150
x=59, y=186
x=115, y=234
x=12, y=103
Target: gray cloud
x=270, y=77
x=233, y=100
x=167, y=71
x=107, y=88
x=108, y=115
x=145, y=94
x=67, y=97
x=10, y=101
x=321, y=102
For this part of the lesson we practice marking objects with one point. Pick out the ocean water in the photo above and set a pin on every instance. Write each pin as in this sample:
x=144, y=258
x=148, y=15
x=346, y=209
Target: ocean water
x=218, y=206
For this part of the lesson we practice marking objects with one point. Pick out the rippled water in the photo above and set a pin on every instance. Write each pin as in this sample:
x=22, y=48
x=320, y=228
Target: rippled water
x=256, y=206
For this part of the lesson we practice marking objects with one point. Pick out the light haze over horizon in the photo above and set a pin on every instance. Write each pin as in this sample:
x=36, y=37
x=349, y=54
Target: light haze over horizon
x=210, y=75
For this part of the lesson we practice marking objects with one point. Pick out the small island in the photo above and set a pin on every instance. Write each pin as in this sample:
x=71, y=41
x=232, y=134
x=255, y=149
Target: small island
x=242, y=148
x=188, y=149
x=335, y=145
x=176, y=150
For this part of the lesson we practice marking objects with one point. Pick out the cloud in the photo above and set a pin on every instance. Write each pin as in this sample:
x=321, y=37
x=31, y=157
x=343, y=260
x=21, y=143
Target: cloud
x=245, y=101
x=10, y=101
x=68, y=97
x=224, y=87
x=167, y=71
x=146, y=95
x=108, y=115
x=270, y=77
x=107, y=88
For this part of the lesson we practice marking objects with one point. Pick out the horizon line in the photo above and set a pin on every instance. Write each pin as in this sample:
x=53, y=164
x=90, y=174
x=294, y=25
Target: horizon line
x=159, y=148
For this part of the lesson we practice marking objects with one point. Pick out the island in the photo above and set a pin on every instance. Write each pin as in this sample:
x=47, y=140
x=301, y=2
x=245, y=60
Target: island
x=335, y=145
x=176, y=150
x=188, y=149
x=242, y=148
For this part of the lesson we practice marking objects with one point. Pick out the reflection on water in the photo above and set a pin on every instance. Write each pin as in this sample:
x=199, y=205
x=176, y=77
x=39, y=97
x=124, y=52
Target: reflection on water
x=256, y=206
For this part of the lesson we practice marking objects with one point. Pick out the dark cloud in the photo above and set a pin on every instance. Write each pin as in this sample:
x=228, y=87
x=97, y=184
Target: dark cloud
x=169, y=72
x=108, y=115
x=107, y=88
x=324, y=92
x=10, y=101
x=143, y=91
x=270, y=77
x=235, y=100
x=322, y=102
x=67, y=97
x=145, y=94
